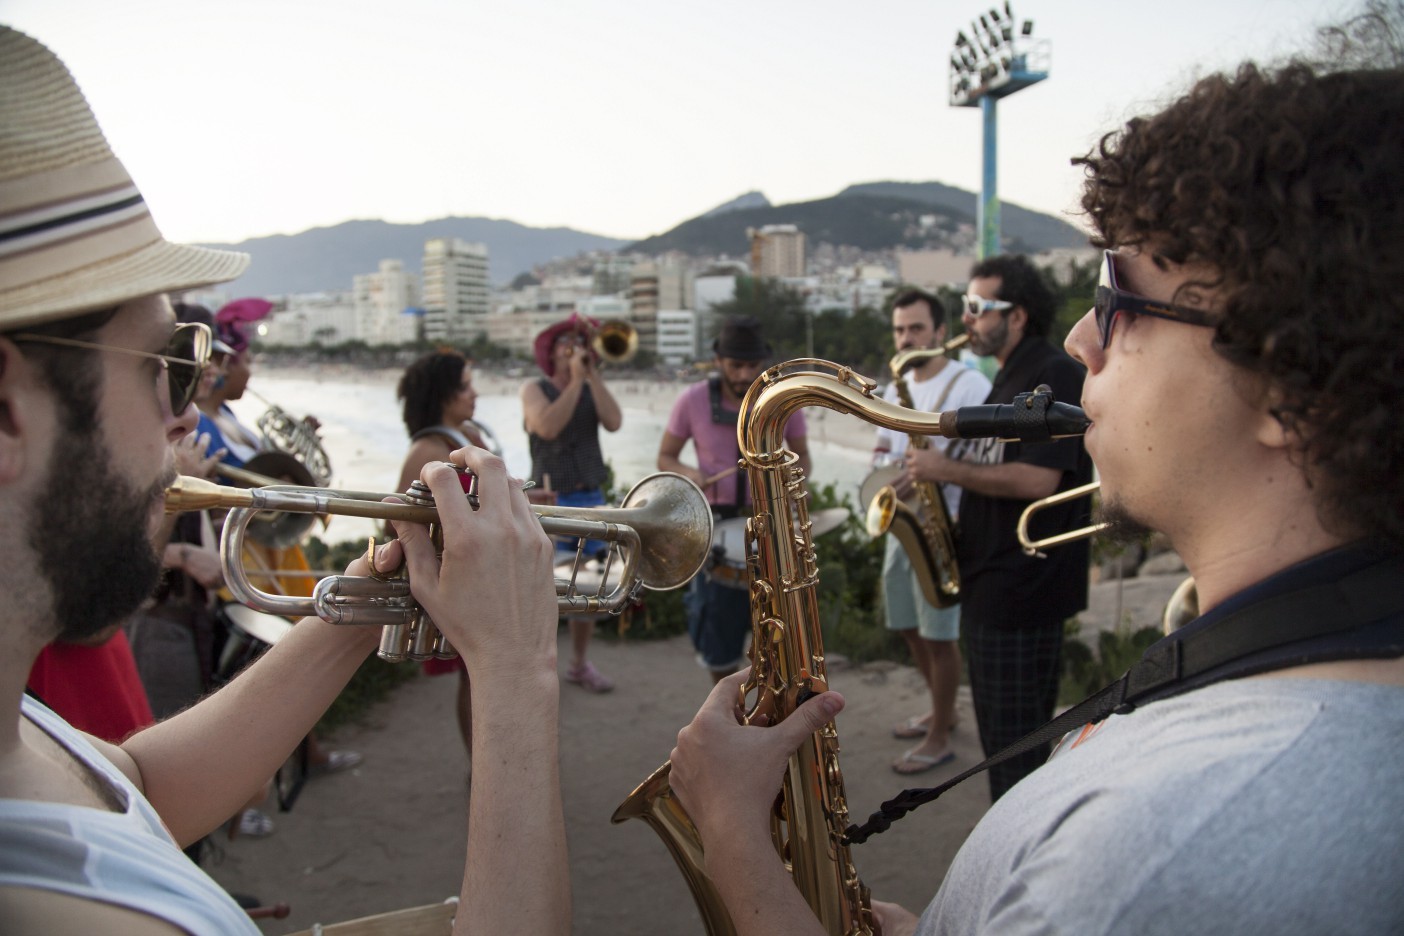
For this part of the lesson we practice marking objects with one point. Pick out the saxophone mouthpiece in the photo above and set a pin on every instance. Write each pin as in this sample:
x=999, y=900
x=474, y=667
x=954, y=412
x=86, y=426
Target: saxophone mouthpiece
x=1032, y=417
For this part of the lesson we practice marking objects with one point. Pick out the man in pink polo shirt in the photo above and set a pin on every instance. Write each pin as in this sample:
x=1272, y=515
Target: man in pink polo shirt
x=719, y=612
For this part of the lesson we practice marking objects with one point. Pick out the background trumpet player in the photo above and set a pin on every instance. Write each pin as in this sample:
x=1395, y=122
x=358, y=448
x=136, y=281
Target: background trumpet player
x=95, y=383
x=563, y=413
x=931, y=633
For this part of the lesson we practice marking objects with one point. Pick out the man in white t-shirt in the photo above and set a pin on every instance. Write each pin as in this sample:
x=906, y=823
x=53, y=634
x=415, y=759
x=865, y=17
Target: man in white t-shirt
x=931, y=633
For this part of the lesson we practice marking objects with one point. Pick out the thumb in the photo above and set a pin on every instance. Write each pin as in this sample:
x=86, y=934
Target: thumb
x=810, y=717
x=420, y=554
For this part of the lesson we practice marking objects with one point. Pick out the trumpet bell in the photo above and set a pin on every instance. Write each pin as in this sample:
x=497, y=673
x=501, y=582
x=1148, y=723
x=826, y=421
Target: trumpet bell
x=677, y=522
x=616, y=342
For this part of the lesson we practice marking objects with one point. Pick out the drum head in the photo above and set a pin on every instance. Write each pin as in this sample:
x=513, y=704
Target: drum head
x=827, y=520
x=729, y=537
x=267, y=628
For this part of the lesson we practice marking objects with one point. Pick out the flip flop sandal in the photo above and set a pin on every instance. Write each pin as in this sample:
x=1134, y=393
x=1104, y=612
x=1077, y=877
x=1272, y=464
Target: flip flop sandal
x=920, y=763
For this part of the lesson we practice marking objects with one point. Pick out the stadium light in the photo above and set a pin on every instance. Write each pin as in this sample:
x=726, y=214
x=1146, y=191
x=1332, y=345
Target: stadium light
x=989, y=64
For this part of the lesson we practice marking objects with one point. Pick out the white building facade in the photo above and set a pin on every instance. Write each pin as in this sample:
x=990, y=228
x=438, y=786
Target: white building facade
x=455, y=289
x=381, y=299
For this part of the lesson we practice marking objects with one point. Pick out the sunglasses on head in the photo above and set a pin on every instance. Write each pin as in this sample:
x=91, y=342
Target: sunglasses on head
x=1112, y=301
x=976, y=306
x=184, y=358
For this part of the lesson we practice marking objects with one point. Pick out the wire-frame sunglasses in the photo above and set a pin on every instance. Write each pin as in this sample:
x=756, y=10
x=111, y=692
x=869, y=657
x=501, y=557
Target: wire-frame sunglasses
x=184, y=357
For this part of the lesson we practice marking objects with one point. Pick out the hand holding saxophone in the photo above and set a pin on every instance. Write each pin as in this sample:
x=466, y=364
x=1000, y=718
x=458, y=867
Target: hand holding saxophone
x=727, y=774
x=931, y=466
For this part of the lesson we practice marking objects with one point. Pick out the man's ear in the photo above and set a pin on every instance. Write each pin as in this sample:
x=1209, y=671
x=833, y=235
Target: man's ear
x=13, y=423
x=1018, y=320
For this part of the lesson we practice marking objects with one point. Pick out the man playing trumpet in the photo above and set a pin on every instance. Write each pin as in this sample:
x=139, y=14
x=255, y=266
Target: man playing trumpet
x=96, y=383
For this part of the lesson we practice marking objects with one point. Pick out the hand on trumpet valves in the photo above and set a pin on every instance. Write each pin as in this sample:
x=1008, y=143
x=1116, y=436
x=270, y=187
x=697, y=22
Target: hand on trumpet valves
x=492, y=592
x=727, y=774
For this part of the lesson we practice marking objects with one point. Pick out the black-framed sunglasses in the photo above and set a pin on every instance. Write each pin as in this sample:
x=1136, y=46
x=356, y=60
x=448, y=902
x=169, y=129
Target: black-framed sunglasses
x=1112, y=300
x=184, y=358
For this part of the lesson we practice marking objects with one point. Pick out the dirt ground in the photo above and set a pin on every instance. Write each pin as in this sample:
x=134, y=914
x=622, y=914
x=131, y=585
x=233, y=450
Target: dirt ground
x=391, y=833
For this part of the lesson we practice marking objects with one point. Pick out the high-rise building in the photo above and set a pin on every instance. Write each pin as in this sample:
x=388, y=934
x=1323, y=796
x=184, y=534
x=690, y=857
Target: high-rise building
x=656, y=284
x=381, y=299
x=777, y=250
x=455, y=277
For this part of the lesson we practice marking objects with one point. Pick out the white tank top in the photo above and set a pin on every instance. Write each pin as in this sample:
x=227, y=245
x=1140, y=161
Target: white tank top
x=125, y=858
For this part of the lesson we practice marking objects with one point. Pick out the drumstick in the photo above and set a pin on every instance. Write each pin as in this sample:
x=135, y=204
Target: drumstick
x=720, y=475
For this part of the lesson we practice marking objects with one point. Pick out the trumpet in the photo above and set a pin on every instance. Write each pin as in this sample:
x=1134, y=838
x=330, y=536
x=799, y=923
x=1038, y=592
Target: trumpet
x=1179, y=610
x=662, y=534
x=615, y=341
x=1034, y=547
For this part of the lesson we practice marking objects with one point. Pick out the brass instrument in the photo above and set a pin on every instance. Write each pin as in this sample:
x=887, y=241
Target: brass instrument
x=1036, y=547
x=295, y=437
x=1180, y=609
x=927, y=536
x=787, y=653
x=661, y=534
x=615, y=342
x=275, y=531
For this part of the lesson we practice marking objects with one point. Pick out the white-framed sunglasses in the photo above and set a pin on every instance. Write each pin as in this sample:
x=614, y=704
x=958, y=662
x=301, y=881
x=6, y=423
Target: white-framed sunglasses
x=976, y=306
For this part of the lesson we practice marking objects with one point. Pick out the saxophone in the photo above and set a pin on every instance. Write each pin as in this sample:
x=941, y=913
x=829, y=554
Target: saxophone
x=787, y=653
x=927, y=536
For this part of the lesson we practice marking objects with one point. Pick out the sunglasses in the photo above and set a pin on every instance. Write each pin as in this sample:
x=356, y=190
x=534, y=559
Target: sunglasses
x=1112, y=301
x=184, y=358
x=976, y=306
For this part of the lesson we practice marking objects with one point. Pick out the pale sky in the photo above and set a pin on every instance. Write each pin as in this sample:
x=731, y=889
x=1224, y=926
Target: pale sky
x=242, y=119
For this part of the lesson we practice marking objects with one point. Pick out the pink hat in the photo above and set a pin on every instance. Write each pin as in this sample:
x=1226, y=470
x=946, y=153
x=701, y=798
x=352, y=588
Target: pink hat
x=547, y=339
x=231, y=321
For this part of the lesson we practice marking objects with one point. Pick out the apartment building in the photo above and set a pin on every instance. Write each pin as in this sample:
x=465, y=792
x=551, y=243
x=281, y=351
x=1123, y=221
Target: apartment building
x=380, y=300
x=455, y=290
x=777, y=250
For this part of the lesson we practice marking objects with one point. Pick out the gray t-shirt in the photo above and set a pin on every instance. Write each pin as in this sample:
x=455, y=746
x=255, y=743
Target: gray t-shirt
x=1251, y=806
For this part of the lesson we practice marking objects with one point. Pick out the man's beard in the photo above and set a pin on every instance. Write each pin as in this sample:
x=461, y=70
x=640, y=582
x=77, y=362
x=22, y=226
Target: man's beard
x=89, y=531
x=992, y=343
x=1123, y=529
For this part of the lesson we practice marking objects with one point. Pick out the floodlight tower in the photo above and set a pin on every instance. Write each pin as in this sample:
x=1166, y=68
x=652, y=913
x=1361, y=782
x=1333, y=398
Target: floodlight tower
x=991, y=63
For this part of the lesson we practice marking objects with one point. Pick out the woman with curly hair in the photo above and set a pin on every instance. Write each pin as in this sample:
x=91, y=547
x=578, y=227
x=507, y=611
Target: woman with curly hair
x=1243, y=362
x=437, y=397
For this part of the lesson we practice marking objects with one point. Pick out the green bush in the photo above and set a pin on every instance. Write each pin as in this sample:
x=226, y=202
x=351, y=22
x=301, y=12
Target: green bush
x=1085, y=671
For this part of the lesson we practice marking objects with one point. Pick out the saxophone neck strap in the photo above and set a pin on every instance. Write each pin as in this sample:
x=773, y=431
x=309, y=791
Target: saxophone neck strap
x=1356, y=617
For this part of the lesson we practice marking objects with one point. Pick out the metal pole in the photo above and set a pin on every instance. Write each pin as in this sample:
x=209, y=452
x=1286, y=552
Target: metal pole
x=988, y=214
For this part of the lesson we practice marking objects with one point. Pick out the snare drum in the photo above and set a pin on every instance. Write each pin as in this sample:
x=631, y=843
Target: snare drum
x=250, y=633
x=726, y=565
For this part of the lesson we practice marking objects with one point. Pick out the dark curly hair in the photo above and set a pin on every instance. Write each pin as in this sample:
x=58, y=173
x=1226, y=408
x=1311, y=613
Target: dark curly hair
x=1022, y=284
x=1286, y=183
x=427, y=385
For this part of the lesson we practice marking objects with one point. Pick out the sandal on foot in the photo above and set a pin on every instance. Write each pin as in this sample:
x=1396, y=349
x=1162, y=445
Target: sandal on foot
x=255, y=824
x=914, y=727
x=589, y=677
x=914, y=763
x=338, y=761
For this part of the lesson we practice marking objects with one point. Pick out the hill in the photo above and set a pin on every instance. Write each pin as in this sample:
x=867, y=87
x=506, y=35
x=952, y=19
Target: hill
x=329, y=258
x=1038, y=230
x=870, y=216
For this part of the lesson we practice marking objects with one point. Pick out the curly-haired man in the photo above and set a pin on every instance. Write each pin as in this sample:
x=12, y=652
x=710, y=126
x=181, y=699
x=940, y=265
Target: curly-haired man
x=1242, y=362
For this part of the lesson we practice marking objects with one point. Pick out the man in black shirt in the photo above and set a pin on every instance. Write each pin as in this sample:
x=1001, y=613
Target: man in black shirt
x=1013, y=605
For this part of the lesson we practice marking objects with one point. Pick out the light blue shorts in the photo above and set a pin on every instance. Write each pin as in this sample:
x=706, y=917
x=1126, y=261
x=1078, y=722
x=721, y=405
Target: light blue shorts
x=903, y=604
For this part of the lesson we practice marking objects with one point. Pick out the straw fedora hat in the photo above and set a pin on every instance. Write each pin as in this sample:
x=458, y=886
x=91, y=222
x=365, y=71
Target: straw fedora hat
x=75, y=234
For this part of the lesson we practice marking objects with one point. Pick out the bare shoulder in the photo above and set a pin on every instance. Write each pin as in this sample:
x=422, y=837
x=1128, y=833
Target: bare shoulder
x=28, y=910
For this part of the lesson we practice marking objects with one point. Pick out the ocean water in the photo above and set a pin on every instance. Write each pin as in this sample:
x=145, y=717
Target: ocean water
x=365, y=438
